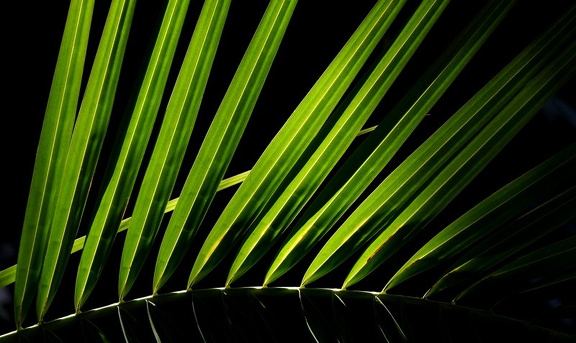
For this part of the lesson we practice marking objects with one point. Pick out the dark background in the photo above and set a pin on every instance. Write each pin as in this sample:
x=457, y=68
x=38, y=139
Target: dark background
x=31, y=35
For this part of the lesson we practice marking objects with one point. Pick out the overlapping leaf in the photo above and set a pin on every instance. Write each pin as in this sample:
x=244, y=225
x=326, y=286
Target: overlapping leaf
x=85, y=145
x=109, y=214
x=505, y=244
x=469, y=262
x=52, y=149
x=465, y=166
x=313, y=173
x=7, y=276
x=542, y=267
x=403, y=185
x=221, y=140
x=291, y=141
x=373, y=155
x=172, y=141
x=488, y=216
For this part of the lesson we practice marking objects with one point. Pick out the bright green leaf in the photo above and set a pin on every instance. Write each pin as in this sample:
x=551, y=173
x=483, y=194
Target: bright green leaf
x=222, y=139
x=171, y=143
x=111, y=208
x=386, y=202
x=374, y=154
x=85, y=145
x=52, y=148
x=313, y=173
x=465, y=166
x=291, y=141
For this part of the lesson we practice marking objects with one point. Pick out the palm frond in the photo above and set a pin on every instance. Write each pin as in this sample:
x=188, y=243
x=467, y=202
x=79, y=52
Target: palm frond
x=355, y=191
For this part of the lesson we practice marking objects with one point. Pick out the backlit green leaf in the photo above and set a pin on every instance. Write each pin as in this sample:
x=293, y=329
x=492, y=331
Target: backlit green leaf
x=52, y=148
x=172, y=141
x=85, y=145
x=109, y=214
x=465, y=166
x=403, y=185
x=221, y=140
x=373, y=155
x=313, y=173
x=291, y=141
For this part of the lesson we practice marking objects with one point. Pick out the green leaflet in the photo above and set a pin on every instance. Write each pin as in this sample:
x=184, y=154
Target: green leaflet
x=373, y=155
x=222, y=139
x=7, y=275
x=488, y=216
x=313, y=173
x=402, y=185
x=53, y=145
x=109, y=214
x=290, y=142
x=172, y=141
x=465, y=166
x=82, y=156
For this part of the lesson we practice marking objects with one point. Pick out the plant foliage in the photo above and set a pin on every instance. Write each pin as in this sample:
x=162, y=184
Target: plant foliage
x=369, y=186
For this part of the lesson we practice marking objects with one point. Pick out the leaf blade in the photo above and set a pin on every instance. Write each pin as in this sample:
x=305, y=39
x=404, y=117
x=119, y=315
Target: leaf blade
x=540, y=268
x=221, y=140
x=171, y=144
x=289, y=144
x=378, y=149
x=56, y=132
x=85, y=144
x=334, y=145
x=110, y=209
x=393, y=194
x=488, y=215
x=507, y=243
x=464, y=167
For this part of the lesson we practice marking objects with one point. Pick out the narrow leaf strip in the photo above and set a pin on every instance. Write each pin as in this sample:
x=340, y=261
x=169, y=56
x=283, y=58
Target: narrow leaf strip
x=313, y=173
x=53, y=145
x=172, y=141
x=7, y=276
x=465, y=166
x=111, y=207
x=487, y=216
x=395, y=192
x=222, y=139
x=292, y=140
x=377, y=150
x=85, y=145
